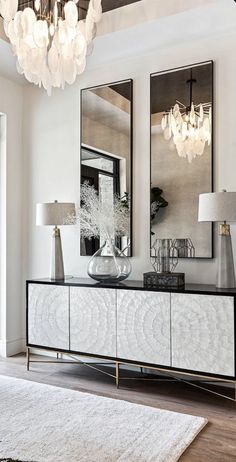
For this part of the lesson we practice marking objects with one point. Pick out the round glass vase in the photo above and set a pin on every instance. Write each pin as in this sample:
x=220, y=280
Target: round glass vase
x=109, y=264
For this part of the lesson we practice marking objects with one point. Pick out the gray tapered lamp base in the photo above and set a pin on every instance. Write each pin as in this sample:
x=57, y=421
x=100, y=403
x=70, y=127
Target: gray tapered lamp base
x=57, y=265
x=225, y=273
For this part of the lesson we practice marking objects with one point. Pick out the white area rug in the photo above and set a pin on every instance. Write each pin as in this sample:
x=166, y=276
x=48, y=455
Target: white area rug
x=42, y=423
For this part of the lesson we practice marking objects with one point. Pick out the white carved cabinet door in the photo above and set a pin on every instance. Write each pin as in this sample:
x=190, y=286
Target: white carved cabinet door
x=93, y=320
x=48, y=316
x=143, y=326
x=203, y=333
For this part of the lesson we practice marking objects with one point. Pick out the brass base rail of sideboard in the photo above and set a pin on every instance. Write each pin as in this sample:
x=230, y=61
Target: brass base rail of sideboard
x=166, y=374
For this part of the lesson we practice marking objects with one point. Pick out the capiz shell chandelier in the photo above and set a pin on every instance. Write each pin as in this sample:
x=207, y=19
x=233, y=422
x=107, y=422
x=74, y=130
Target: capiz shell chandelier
x=189, y=127
x=49, y=40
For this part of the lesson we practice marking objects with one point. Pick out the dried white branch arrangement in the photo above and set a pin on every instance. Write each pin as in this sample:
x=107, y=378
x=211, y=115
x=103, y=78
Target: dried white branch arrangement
x=99, y=218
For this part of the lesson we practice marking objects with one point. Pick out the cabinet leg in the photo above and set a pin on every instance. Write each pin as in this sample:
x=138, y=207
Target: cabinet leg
x=27, y=358
x=117, y=375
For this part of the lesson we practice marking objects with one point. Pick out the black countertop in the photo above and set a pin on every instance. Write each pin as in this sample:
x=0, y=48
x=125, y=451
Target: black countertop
x=136, y=285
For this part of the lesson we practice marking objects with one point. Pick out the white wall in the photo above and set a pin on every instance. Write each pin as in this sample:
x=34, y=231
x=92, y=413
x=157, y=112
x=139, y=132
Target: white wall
x=52, y=129
x=11, y=312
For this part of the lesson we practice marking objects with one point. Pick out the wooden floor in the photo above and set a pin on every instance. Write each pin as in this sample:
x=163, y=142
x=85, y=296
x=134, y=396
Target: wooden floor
x=216, y=443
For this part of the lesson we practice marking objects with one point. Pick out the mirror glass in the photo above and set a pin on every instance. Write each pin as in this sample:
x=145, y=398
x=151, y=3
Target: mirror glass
x=106, y=151
x=181, y=156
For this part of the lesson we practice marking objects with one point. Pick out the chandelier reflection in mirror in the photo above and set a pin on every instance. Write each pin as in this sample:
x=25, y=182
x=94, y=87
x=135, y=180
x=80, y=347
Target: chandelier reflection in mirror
x=49, y=40
x=188, y=127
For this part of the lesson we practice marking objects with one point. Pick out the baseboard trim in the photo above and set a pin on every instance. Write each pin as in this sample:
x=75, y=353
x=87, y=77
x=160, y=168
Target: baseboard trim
x=12, y=347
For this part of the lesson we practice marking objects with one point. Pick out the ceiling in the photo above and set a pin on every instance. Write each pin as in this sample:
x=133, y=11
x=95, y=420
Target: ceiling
x=123, y=89
x=146, y=27
x=110, y=114
x=107, y=5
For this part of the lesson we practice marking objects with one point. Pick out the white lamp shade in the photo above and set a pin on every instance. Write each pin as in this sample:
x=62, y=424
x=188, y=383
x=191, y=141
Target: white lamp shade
x=220, y=206
x=54, y=213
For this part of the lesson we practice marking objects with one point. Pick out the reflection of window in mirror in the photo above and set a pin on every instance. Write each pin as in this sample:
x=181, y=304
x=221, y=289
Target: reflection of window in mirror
x=106, y=149
x=181, y=154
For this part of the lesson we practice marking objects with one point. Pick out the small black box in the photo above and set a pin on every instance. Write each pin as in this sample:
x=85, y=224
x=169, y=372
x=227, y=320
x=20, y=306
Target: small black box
x=172, y=280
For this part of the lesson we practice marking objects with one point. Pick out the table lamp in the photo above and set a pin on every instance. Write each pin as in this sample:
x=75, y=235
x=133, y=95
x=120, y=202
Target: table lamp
x=55, y=214
x=221, y=207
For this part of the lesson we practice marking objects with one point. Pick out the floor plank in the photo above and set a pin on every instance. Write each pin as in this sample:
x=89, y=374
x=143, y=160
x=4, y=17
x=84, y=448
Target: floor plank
x=216, y=443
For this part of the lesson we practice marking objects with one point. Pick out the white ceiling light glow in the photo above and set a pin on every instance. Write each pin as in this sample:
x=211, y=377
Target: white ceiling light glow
x=49, y=40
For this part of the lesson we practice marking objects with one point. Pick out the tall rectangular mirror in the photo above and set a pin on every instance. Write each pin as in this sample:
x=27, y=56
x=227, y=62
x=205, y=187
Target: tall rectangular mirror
x=181, y=156
x=106, y=151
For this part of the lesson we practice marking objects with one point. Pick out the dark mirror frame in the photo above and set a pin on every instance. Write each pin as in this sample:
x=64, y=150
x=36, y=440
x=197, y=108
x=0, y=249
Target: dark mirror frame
x=167, y=71
x=118, y=82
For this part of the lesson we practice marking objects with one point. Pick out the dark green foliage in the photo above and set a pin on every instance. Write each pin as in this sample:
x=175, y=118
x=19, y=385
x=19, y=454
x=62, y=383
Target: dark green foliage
x=11, y=460
x=157, y=201
x=125, y=200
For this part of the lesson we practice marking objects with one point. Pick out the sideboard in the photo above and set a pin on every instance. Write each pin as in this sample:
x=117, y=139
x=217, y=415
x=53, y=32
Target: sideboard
x=189, y=330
